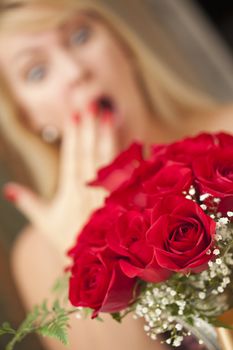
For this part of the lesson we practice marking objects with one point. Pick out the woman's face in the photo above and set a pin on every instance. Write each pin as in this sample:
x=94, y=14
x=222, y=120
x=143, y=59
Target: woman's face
x=61, y=72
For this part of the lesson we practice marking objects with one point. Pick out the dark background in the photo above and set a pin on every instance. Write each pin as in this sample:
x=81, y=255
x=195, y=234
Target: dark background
x=220, y=12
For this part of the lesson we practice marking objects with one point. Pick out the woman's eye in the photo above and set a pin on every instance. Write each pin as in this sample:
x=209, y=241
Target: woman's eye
x=80, y=36
x=36, y=74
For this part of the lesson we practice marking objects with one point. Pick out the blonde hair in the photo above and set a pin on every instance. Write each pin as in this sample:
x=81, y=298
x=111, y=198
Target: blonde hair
x=165, y=94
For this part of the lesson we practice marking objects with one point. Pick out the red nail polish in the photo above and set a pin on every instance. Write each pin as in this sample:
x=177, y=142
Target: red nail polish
x=76, y=118
x=107, y=117
x=93, y=108
x=10, y=194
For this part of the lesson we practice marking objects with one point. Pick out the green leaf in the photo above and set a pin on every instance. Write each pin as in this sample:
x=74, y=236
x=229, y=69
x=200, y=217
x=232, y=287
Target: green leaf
x=56, y=306
x=61, y=284
x=30, y=320
x=116, y=316
x=44, y=306
x=87, y=312
x=51, y=321
x=6, y=329
x=55, y=331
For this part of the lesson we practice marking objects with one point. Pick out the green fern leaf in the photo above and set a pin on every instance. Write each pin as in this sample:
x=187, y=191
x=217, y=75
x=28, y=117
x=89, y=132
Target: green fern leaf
x=55, y=331
x=6, y=329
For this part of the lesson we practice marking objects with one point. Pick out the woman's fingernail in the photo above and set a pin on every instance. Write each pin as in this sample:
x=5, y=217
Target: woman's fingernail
x=10, y=194
x=75, y=118
x=107, y=117
x=93, y=108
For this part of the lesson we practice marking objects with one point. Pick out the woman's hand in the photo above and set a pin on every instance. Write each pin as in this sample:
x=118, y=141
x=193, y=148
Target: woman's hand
x=88, y=143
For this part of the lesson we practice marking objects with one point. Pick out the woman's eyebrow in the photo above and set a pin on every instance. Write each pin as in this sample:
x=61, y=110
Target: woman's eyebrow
x=78, y=20
x=26, y=52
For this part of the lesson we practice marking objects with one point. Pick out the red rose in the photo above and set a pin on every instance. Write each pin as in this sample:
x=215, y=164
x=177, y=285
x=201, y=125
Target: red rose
x=225, y=205
x=97, y=282
x=114, y=175
x=93, y=234
x=137, y=255
x=132, y=194
x=173, y=178
x=181, y=234
x=214, y=172
x=152, y=179
x=224, y=140
x=184, y=151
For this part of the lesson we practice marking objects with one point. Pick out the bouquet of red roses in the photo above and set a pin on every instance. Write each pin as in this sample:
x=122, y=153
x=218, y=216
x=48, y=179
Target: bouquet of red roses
x=162, y=244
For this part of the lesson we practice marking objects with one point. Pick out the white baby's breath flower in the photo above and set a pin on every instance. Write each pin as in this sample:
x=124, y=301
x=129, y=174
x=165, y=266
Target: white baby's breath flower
x=145, y=310
x=188, y=196
x=216, y=252
x=177, y=341
x=192, y=191
x=214, y=292
x=158, y=312
x=203, y=206
x=218, y=261
x=218, y=237
x=226, y=280
x=202, y=295
x=213, y=274
x=165, y=301
x=170, y=318
x=204, y=196
x=178, y=326
x=155, y=291
x=216, y=200
x=223, y=221
x=220, y=289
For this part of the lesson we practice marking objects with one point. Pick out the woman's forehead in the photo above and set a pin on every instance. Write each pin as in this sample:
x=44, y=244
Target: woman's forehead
x=33, y=30
x=36, y=18
x=18, y=44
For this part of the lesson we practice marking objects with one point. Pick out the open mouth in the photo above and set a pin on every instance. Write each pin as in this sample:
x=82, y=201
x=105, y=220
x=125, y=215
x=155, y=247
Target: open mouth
x=105, y=104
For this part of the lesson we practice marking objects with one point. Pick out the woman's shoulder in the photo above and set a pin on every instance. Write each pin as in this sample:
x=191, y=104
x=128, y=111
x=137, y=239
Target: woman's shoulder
x=27, y=240
x=33, y=262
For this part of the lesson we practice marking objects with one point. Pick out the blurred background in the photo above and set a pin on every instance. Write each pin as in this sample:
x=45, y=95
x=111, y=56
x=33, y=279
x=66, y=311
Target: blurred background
x=210, y=44
x=221, y=16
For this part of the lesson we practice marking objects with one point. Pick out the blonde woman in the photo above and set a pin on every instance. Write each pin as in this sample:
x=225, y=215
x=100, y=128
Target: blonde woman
x=77, y=86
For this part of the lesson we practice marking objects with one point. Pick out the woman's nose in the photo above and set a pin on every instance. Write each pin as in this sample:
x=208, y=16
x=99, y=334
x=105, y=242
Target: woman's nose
x=72, y=69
